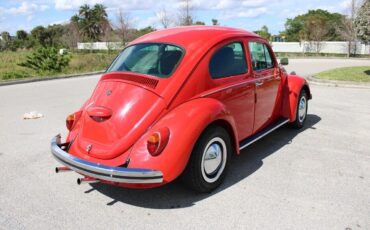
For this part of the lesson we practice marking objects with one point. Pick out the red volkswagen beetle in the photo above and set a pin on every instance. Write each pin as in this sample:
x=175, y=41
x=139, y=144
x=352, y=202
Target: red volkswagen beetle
x=179, y=102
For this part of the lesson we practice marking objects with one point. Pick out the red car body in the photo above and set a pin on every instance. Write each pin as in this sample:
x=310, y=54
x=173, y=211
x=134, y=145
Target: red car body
x=113, y=129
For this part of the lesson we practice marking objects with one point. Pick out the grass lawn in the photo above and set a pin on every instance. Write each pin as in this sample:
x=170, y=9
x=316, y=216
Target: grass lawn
x=357, y=74
x=80, y=63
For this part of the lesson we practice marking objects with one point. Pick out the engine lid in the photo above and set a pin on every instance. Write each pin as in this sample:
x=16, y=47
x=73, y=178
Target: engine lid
x=117, y=116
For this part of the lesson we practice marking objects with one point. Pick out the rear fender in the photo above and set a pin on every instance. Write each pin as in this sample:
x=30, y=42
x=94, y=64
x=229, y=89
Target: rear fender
x=186, y=123
x=292, y=88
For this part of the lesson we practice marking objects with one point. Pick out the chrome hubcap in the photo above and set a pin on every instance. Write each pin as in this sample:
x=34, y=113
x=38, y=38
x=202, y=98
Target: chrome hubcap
x=213, y=160
x=302, y=109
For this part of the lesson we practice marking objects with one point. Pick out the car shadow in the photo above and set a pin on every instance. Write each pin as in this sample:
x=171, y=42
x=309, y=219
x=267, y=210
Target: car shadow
x=176, y=195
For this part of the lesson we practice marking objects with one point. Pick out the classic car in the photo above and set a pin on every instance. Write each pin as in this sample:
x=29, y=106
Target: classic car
x=178, y=103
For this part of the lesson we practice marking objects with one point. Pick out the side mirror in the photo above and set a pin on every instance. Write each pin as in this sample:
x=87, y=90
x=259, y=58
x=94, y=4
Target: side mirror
x=284, y=61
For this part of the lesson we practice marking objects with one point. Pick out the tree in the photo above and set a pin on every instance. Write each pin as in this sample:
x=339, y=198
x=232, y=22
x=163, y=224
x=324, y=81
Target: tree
x=347, y=28
x=73, y=33
x=143, y=31
x=123, y=26
x=92, y=22
x=103, y=26
x=5, y=41
x=362, y=22
x=40, y=35
x=186, y=18
x=200, y=23
x=295, y=28
x=292, y=29
x=215, y=22
x=5, y=36
x=50, y=36
x=54, y=35
x=315, y=30
x=22, y=40
x=264, y=32
x=164, y=18
x=22, y=35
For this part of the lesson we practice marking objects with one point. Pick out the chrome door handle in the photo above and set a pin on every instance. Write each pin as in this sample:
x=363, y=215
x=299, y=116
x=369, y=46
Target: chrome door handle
x=259, y=83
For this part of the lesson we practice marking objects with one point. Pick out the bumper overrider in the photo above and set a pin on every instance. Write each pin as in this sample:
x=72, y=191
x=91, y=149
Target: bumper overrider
x=103, y=172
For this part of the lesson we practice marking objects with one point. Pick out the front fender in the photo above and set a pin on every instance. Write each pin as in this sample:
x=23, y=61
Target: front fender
x=186, y=123
x=292, y=88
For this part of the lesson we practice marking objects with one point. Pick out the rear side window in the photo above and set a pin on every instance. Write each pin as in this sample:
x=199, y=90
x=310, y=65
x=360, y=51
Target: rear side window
x=228, y=61
x=260, y=56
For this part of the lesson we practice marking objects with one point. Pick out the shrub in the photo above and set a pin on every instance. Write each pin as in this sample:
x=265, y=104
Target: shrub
x=14, y=75
x=46, y=59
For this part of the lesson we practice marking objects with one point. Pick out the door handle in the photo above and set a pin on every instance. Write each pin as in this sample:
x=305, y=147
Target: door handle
x=259, y=83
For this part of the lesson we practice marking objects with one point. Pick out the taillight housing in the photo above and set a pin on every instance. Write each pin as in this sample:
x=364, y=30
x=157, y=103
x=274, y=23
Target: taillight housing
x=72, y=119
x=157, y=141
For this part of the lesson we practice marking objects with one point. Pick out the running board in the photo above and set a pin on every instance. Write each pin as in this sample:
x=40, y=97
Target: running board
x=250, y=140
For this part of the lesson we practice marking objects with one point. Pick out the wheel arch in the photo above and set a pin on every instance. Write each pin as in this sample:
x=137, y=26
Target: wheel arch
x=308, y=91
x=292, y=88
x=230, y=130
x=186, y=123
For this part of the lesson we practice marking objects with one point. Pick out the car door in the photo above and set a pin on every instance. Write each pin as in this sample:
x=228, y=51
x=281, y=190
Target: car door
x=231, y=80
x=267, y=81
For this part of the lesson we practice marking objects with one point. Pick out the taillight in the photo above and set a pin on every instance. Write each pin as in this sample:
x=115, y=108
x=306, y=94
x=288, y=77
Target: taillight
x=72, y=119
x=158, y=141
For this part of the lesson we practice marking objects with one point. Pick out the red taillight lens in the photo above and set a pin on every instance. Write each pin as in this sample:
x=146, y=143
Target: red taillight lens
x=158, y=141
x=153, y=143
x=69, y=121
x=72, y=119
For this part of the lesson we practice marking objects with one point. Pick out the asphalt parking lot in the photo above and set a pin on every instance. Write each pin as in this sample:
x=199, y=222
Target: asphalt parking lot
x=314, y=178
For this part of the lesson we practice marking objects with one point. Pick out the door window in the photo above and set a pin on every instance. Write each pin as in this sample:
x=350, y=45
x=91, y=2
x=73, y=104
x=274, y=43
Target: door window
x=228, y=61
x=260, y=56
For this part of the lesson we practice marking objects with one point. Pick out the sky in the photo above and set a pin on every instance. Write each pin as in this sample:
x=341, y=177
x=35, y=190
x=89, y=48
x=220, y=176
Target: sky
x=247, y=14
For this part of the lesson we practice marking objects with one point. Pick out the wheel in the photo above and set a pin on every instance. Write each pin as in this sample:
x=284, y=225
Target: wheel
x=209, y=160
x=301, y=112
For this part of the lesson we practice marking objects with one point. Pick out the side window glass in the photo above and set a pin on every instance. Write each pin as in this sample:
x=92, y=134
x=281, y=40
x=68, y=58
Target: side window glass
x=228, y=61
x=269, y=62
x=257, y=52
x=260, y=56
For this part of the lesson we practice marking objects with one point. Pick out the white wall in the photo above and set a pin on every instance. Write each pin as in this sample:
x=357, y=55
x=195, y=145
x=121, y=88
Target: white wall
x=100, y=46
x=326, y=47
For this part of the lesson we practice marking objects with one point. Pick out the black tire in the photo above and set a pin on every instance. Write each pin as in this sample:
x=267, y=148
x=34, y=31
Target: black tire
x=300, y=117
x=213, y=140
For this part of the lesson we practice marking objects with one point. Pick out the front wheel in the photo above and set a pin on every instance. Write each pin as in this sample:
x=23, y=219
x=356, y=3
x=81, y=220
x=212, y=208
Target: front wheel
x=209, y=160
x=301, y=112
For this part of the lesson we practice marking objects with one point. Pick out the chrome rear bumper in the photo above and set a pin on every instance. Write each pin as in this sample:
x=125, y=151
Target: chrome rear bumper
x=104, y=172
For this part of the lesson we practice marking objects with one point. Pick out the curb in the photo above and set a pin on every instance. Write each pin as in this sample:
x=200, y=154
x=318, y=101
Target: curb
x=332, y=83
x=16, y=82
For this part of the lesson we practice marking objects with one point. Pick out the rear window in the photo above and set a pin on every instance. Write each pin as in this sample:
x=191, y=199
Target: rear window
x=155, y=59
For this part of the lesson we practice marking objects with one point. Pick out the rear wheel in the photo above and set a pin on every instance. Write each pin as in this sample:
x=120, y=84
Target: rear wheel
x=301, y=112
x=209, y=160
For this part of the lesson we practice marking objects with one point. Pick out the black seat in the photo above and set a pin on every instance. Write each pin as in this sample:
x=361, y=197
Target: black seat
x=222, y=62
x=168, y=61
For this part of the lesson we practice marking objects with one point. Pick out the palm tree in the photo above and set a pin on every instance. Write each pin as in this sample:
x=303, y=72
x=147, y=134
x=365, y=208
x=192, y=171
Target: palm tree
x=100, y=18
x=84, y=11
x=100, y=12
x=92, y=22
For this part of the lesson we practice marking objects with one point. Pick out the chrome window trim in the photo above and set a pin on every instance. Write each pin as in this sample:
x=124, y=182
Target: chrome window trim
x=237, y=84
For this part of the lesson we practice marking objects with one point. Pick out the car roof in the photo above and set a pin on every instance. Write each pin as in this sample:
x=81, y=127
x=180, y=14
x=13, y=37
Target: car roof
x=186, y=36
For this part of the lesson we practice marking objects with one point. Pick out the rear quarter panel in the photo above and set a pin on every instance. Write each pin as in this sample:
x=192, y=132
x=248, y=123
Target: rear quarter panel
x=186, y=123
